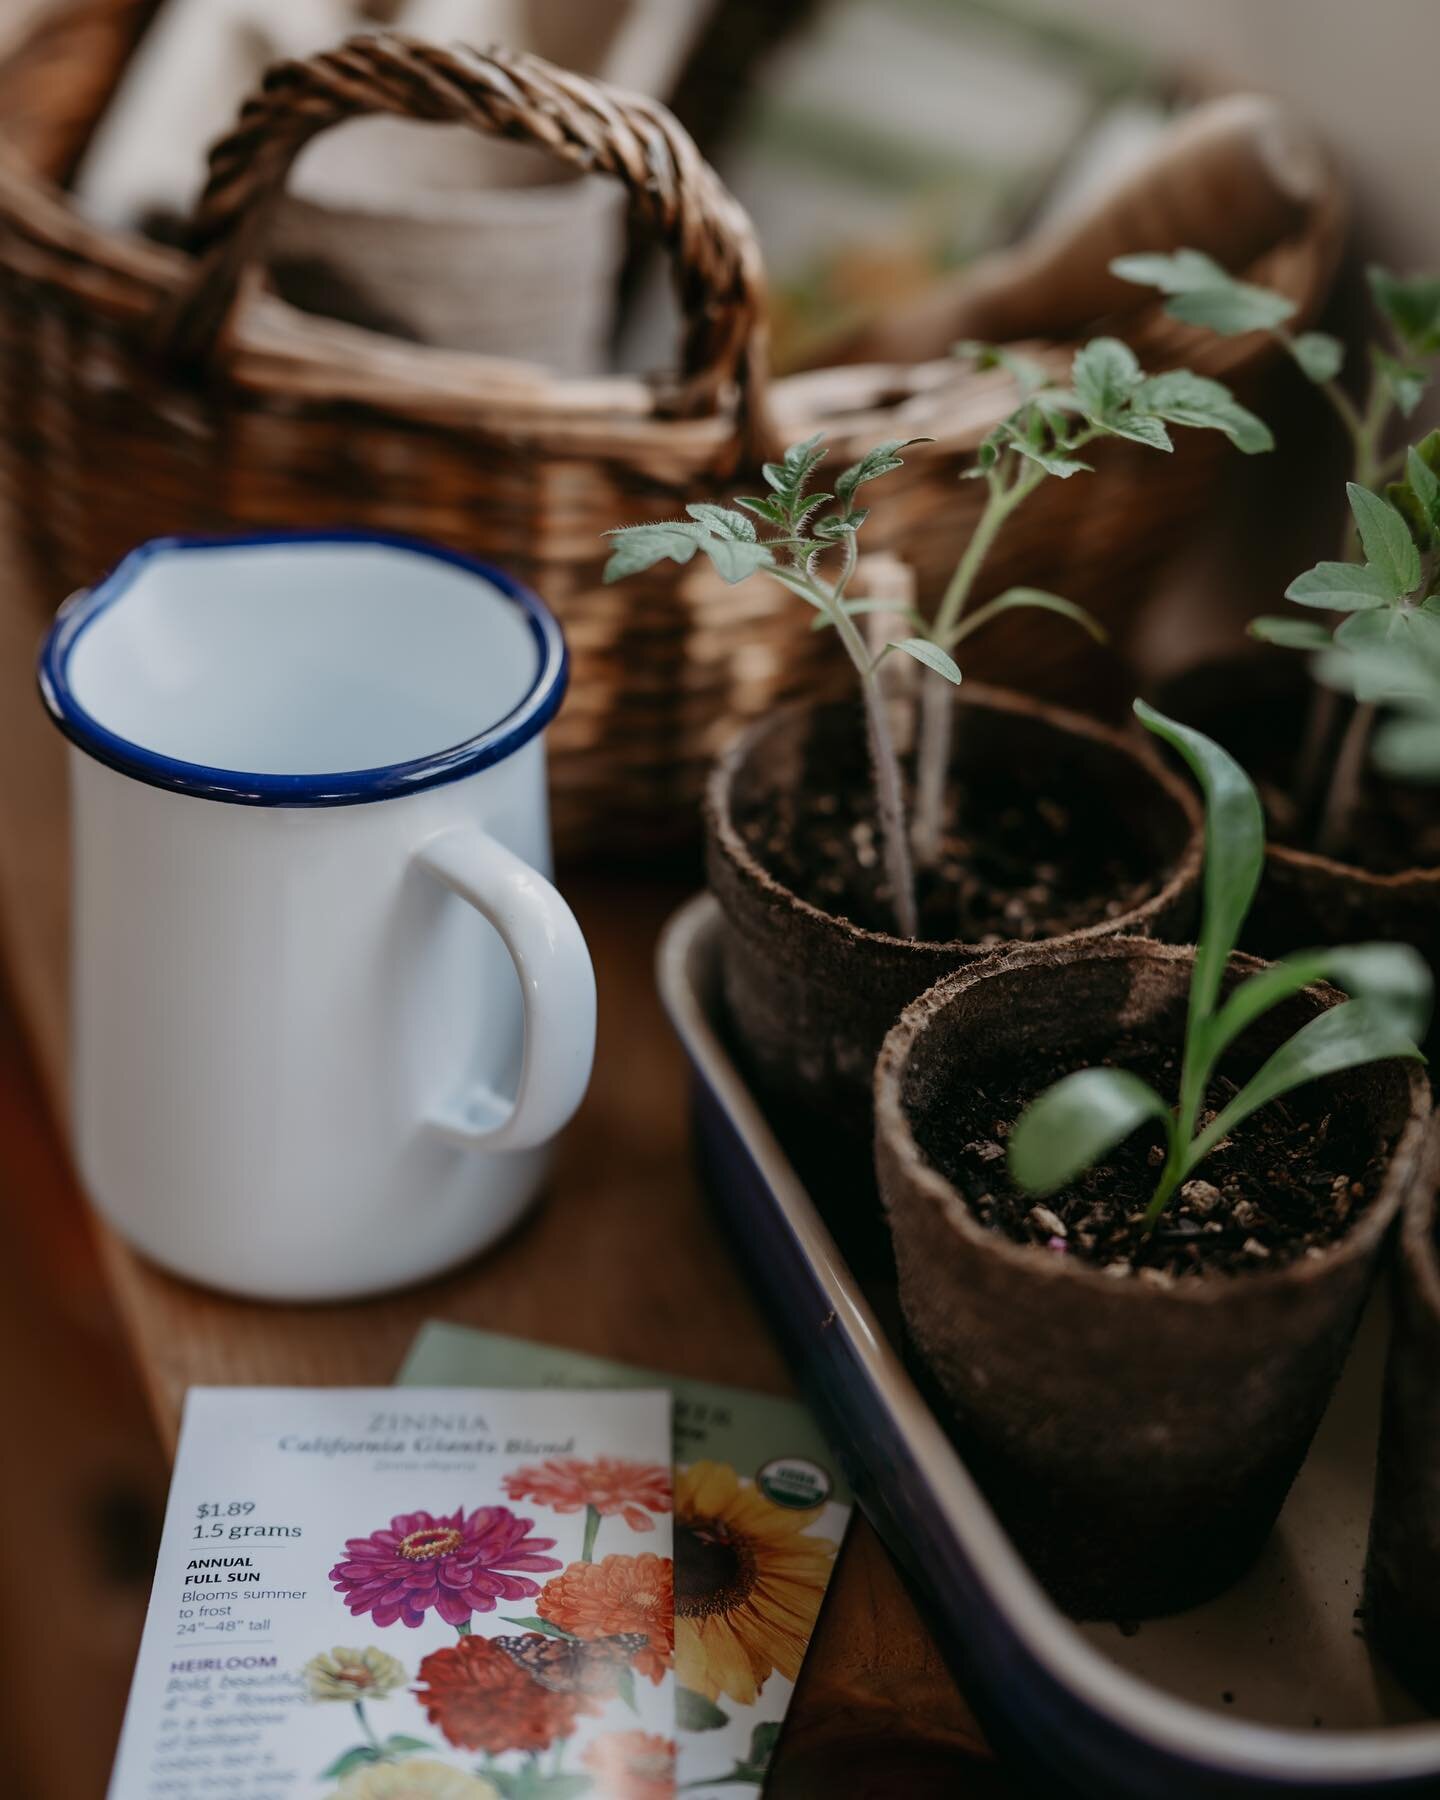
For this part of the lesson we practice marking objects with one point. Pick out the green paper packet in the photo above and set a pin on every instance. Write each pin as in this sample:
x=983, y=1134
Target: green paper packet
x=755, y=1467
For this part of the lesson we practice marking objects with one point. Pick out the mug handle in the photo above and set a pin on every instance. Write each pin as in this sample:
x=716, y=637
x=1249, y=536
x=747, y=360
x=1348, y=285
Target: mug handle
x=557, y=982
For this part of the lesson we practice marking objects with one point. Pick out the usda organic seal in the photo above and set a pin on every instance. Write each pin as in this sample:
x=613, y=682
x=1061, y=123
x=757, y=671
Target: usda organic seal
x=792, y=1481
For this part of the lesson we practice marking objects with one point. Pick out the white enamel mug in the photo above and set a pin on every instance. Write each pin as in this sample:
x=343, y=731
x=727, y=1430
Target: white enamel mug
x=328, y=1010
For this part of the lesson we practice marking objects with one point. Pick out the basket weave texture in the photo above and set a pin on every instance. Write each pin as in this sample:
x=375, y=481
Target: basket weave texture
x=145, y=392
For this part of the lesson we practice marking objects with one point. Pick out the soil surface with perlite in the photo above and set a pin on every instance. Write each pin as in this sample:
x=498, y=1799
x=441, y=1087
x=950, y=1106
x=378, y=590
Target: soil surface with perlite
x=1287, y=1181
x=1018, y=863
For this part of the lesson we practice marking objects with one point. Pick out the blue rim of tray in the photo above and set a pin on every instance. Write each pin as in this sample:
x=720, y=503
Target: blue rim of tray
x=1042, y=1679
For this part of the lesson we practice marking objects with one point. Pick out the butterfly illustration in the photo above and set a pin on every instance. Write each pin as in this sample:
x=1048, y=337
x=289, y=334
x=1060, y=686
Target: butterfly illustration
x=569, y=1666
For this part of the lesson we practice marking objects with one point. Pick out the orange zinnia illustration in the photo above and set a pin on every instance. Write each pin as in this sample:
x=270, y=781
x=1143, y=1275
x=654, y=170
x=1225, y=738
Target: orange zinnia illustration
x=617, y=1596
x=609, y=1484
x=748, y=1584
x=483, y=1700
x=633, y=1765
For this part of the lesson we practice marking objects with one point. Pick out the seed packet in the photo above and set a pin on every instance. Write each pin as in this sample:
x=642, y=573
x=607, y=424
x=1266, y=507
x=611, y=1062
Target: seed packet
x=760, y=1512
x=366, y=1595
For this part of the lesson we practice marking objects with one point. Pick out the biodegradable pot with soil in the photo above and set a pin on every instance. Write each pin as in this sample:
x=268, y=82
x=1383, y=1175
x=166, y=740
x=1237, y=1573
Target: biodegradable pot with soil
x=1062, y=829
x=1402, y=1574
x=1137, y=1194
x=1136, y=1411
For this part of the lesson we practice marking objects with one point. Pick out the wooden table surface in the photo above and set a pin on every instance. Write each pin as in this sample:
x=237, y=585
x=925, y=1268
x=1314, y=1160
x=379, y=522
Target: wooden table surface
x=621, y=1260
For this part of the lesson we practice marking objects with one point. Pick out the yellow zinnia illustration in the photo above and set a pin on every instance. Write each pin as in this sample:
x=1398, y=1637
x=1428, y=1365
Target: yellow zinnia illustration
x=353, y=1675
x=748, y=1584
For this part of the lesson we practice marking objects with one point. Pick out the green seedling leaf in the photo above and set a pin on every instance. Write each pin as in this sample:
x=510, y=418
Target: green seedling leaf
x=882, y=460
x=789, y=476
x=1341, y=587
x=1290, y=634
x=1423, y=482
x=1139, y=428
x=1412, y=306
x=1051, y=461
x=1405, y=382
x=1320, y=356
x=720, y=521
x=1386, y=540
x=805, y=509
x=693, y=1712
x=1184, y=398
x=1073, y=1124
x=1234, y=850
x=1408, y=748
x=398, y=1743
x=1203, y=293
x=1232, y=310
x=1417, y=497
x=765, y=507
x=640, y=547
x=735, y=562
x=1344, y=1037
x=930, y=654
x=1182, y=272
x=1105, y=373
x=1392, y=976
x=1394, y=655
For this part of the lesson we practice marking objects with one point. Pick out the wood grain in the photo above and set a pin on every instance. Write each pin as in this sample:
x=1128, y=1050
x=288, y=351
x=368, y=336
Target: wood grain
x=622, y=1260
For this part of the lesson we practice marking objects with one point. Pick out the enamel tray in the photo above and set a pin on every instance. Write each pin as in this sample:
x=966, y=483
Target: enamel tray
x=1268, y=1690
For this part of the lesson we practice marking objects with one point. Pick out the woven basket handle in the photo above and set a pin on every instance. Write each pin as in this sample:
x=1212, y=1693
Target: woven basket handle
x=585, y=123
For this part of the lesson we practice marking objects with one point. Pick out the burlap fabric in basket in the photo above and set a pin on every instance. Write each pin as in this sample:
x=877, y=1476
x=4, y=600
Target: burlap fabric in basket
x=147, y=392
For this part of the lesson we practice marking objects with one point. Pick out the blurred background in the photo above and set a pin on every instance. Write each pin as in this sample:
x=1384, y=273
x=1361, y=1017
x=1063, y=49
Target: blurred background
x=885, y=149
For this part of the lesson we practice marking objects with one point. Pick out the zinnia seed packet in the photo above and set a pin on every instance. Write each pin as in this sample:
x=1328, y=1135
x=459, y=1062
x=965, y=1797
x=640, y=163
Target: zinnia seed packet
x=760, y=1512
x=364, y=1594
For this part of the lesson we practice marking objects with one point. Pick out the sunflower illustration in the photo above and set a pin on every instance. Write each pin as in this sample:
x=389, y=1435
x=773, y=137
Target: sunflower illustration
x=748, y=1584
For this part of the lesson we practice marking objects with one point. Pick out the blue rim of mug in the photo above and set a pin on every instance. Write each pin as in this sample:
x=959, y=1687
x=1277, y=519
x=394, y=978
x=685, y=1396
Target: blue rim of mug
x=342, y=788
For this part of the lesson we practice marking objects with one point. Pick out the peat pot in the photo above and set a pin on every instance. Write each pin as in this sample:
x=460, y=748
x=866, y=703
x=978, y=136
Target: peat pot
x=1137, y=1440
x=1402, y=1577
x=810, y=992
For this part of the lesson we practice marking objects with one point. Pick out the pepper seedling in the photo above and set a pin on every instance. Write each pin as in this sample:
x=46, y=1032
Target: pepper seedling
x=1072, y=1126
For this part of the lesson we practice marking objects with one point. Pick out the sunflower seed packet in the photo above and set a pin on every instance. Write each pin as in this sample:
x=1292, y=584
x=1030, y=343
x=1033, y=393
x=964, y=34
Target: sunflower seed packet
x=760, y=1512
x=363, y=1595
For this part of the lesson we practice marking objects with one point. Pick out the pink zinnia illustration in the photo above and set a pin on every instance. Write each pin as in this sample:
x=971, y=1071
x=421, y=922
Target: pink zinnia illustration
x=458, y=1563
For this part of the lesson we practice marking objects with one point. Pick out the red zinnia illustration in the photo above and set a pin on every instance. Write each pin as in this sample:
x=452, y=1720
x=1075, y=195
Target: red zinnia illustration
x=609, y=1484
x=633, y=1765
x=619, y=1595
x=482, y=1700
x=458, y=1563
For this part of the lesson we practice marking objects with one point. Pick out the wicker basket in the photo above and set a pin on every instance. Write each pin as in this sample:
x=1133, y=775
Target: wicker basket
x=146, y=392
